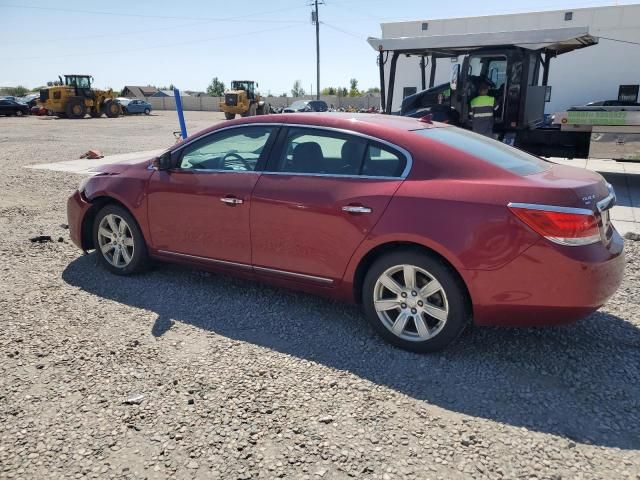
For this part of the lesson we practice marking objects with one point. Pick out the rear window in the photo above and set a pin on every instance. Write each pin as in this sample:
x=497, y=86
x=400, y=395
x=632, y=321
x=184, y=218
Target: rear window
x=487, y=149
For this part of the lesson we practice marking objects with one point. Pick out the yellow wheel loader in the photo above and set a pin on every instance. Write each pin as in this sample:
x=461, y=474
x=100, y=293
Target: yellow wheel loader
x=74, y=98
x=243, y=99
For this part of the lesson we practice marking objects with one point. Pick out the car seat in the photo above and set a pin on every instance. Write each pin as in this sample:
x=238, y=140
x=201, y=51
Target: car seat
x=307, y=158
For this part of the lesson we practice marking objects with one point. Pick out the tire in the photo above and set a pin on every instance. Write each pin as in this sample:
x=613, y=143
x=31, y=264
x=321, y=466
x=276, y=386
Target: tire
x=95, y=113
x=229, y=115
x=19, y=113
x=147, y=111
x=264, y=109
x=75, y=108
x=403, y=309
x=128, y=254
x=111, y=109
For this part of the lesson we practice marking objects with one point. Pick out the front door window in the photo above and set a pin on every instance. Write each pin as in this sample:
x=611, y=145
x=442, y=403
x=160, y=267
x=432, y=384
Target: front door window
x=237, y=150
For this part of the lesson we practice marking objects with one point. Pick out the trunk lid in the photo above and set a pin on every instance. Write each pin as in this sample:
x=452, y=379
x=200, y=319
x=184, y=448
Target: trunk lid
x=566, y=186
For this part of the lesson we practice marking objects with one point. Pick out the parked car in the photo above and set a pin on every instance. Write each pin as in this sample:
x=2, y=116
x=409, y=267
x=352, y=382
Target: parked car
x=137, y=106
x=298, y=106
x=428, y=226
x=11, y=107
x=30, y=100
x=318, y=106
x=606, y=103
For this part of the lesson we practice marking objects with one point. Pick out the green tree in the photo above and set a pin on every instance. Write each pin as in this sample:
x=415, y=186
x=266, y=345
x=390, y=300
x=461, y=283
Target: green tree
x=18, y=91
x=215, y=88
x=297, y=90
x=353, y=90
x=373, y=90
x=329, y=91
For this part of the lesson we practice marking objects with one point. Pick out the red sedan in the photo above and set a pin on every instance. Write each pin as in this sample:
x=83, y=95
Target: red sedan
x=429, y=227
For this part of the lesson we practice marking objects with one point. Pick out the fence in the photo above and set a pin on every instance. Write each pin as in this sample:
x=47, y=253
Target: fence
x=212, y=104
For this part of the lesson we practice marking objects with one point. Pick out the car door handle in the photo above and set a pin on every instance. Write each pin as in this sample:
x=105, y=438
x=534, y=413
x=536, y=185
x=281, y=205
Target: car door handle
x=231, y=200
x=356, y=209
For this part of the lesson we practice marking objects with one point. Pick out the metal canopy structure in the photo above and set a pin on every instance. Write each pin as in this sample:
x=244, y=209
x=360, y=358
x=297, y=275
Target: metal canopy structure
x=559, y=40
x=550, y=42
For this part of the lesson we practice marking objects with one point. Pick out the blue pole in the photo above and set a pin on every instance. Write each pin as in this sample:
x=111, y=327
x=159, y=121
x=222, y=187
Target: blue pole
x=183, y=127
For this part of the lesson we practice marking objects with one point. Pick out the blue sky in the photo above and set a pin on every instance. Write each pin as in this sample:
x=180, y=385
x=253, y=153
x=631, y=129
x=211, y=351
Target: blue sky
x=189, y=42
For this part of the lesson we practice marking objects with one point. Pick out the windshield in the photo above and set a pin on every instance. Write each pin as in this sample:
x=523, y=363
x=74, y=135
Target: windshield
x=246, y=86
x=298, y=104
x=489, y=150
x=80, y=82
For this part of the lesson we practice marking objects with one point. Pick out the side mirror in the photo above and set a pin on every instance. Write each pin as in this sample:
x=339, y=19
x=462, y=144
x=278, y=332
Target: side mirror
x=455, y=75
x=163, y=162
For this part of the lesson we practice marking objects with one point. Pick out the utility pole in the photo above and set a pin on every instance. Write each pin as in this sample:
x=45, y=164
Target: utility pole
x=316, y=20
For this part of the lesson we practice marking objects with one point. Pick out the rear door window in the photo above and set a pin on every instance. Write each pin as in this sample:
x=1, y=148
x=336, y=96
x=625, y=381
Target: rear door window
x=314, y=151
x=489, y=150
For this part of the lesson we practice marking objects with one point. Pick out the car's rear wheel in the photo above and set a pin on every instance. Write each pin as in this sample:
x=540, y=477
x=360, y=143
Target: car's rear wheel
x=415, y=301
x=229, y=115
x=119, y=244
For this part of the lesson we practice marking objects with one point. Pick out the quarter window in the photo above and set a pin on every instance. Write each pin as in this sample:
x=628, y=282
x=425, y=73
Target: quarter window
x=238, y=149
x=381, y=161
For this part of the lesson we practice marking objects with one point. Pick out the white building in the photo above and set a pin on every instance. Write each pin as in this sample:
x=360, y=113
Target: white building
x=584, y=75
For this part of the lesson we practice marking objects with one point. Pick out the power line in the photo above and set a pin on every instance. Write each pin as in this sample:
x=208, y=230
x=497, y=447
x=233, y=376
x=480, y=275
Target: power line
x=239, y=18
x=128, y=50
x=346, y=32
x=111, y=34
x=617, y=40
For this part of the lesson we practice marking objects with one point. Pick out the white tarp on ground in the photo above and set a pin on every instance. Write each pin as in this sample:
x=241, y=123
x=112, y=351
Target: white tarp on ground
x=86, y=166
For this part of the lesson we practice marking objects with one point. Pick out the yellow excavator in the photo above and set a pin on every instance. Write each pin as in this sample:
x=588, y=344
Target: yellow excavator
x=73, y=98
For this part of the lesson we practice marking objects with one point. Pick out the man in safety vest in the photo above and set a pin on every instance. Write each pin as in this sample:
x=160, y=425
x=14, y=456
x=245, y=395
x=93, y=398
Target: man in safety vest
x=482, y=108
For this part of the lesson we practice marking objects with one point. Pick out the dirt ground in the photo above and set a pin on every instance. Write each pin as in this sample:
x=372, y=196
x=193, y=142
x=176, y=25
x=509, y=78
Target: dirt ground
x=183, y=374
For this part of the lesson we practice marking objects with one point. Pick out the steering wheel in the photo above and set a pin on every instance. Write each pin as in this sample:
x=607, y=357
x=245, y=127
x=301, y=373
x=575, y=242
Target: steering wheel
x=237, y=157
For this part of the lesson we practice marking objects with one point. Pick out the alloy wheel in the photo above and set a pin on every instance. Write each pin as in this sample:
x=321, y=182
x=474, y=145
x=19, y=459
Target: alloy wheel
x=115, y=240
x=411, y=303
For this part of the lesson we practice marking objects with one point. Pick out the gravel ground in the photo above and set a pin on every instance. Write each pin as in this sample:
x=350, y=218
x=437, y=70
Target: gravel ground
x=183, y=374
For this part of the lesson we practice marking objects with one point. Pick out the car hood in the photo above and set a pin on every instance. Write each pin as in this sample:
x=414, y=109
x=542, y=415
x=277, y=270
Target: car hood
x=132, y=160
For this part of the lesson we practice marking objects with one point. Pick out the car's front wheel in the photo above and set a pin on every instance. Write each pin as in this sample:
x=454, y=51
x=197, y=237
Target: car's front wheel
x=415, y=301
x=19, y=113
x=147, y=111
x=119, y=244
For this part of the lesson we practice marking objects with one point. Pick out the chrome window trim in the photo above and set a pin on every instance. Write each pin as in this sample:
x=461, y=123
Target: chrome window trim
x=205, y=170
x=246, y=266
x=551, y=208
x=331, y=175
x=403, y=151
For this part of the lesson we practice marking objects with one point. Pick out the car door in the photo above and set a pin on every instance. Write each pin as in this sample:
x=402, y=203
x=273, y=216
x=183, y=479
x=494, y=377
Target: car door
x=318, y=199
x=200, y=208
x=4, y=107
x=134, y=106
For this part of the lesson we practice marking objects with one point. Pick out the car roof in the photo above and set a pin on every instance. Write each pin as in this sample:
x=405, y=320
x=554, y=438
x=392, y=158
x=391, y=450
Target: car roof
x=346, y=120
x=377, y=125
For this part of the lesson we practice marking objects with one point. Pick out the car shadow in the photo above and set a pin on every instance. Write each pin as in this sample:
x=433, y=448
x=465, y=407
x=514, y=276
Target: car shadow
x=578, y=382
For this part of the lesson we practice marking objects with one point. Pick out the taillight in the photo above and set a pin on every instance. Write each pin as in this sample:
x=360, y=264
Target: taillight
x=563, y=225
